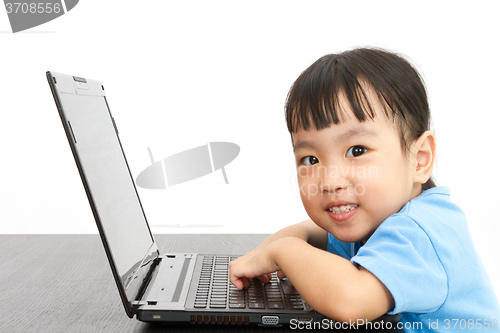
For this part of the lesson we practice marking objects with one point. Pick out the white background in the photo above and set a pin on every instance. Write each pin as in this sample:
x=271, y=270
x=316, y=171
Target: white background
x=181, y=73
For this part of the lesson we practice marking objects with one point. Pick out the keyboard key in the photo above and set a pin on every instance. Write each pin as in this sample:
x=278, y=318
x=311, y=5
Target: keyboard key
x=200, y=305
x=217, y=305
x=255, y=299
x=256, y=305
x=275, y=305
x=237, y=305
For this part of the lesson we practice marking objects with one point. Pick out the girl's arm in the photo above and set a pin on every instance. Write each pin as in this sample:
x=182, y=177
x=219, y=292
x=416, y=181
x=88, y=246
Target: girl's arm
x=329, y=283
x=307, y=231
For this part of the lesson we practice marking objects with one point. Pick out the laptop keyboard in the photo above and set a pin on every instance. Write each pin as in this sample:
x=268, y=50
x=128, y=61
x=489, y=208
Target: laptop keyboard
x=216, y=292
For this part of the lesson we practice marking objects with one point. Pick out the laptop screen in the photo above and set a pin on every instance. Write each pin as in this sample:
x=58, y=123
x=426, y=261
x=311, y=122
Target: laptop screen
x=104, y=171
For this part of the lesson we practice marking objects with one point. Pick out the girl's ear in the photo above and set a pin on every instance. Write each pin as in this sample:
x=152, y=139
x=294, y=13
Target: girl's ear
x=425, y=149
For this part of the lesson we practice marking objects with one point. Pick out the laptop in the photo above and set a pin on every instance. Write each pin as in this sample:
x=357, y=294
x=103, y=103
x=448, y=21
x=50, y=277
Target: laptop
x=173, y=287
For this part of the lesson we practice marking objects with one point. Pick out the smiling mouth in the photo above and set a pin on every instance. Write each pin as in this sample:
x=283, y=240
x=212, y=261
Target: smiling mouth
x=342, y=209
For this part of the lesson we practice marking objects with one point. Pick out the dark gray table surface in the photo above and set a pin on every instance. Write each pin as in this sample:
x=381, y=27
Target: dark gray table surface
x=63, y=283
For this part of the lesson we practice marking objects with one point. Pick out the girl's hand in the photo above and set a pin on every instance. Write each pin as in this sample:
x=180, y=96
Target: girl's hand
x=258, y=263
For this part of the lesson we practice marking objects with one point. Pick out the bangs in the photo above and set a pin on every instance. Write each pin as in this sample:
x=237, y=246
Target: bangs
x=314, y=101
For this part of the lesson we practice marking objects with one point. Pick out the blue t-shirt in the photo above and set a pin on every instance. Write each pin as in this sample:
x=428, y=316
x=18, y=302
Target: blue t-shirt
x=425, y=257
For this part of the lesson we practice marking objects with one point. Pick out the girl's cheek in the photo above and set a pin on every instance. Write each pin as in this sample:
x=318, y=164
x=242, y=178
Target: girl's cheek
x=309, y=189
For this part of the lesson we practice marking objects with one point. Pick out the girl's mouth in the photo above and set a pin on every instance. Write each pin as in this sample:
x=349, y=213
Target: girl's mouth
x=342, y=212
x=342, y=209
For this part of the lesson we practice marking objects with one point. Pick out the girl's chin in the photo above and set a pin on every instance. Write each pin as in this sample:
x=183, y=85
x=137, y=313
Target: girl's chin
x=349, y=236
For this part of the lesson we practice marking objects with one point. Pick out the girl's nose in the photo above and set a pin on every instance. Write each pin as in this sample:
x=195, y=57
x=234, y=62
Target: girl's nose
x=333, y=180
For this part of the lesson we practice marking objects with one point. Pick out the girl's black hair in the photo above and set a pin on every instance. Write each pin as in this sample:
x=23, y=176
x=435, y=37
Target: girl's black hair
x=313, y=100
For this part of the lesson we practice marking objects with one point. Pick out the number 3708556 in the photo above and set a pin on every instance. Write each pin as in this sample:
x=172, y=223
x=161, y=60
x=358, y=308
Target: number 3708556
x=32, y=8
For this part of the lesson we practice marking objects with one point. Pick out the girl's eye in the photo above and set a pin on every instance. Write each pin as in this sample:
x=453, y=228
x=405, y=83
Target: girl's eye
x=356, y=151
x=309, y=160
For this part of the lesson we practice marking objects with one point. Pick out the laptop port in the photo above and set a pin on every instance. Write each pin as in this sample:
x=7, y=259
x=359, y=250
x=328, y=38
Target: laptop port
x=304, y=319
x=270, y=320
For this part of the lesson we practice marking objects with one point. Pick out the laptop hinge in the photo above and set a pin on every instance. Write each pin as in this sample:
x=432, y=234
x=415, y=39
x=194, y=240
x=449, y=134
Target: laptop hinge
x=137, y=303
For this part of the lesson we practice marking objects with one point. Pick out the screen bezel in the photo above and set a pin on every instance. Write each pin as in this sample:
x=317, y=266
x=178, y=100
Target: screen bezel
x=129, y=287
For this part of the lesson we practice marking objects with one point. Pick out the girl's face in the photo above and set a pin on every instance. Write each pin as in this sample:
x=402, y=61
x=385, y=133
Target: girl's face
x=353, y=175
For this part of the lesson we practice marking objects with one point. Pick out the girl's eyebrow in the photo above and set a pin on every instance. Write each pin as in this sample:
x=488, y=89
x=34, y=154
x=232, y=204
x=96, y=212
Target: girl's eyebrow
x=303, y=144
x=355, y=132
x=358, y=131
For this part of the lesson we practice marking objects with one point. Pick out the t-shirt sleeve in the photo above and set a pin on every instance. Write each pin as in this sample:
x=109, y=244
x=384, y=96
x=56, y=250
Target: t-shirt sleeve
x=401, y=255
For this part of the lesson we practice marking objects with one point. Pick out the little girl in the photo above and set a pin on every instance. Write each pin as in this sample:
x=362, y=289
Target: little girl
x=382, y=237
